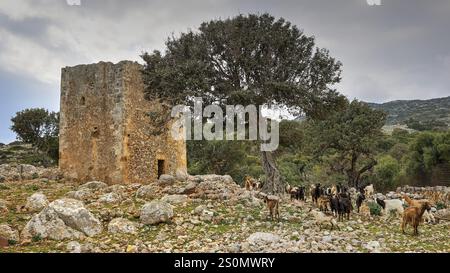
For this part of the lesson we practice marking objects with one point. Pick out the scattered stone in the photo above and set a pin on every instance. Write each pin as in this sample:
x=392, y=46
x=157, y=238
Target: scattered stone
x=327, y=239
x=166, y=180
x=84, y=195
x=235, y=248
x=181, y=175
x=216, y=187
x=373, y=246
x=51, y=174
x=132, y=249
x=147, y=192
x=110, y=198
x=189, y=188
x=199, y=210
x=116, y=188
x=207, y=216
x=21, y=171
x=156, y=212
x=94, y=185
x=261, y=238
x=63, y=219
x=8, y=233
x=74, y=247
x=121, y=225
x=175, y=199
x=36, y=202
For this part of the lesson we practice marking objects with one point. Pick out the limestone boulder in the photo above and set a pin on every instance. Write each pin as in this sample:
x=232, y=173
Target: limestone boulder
x=146, y=192
x=36, y=202
x=156, y=212
x=84, y=194
x=122, y=225
x=74, y=247
x=181, y=175
x=263, y=238
x=63, y=219
x=94, y=185
x=175, y=199
x=189, y=188
x=166, y=180
x=110, y=198
x=6, y=232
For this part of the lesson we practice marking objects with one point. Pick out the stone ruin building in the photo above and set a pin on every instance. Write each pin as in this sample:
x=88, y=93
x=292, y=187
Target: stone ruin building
x=106, y=130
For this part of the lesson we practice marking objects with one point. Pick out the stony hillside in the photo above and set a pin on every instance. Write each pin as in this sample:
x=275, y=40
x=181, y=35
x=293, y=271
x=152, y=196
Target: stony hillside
x=19, y=153
x=206, y=213
x=434, y=111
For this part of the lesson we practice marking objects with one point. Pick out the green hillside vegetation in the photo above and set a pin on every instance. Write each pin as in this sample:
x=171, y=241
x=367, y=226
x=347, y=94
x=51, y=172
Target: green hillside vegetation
x=419, y=115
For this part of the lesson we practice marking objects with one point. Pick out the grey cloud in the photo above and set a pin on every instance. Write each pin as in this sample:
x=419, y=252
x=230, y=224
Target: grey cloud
x=399, y=50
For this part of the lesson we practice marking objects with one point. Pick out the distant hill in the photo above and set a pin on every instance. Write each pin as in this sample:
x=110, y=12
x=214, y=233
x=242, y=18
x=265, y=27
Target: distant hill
x=418, y=114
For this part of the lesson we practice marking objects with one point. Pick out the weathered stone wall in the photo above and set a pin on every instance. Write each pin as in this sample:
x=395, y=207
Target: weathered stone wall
x=142, y=164
x=105, y=129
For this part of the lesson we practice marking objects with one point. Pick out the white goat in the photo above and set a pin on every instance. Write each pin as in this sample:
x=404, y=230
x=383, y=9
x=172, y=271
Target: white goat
x=369, y=191
x=391, y=205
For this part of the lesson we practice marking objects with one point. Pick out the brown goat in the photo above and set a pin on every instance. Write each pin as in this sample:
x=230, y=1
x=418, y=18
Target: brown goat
x=249, y=183
x=323, y=203
x=273, y=206
x=427, y=216
x=413, y=216
x=414, y=203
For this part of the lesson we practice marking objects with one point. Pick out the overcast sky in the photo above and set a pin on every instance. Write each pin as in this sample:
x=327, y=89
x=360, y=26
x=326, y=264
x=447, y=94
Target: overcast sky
x=397, y=50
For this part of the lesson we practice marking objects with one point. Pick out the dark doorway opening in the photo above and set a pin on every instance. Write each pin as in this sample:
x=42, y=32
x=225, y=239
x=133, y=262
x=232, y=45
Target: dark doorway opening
x=161, y=168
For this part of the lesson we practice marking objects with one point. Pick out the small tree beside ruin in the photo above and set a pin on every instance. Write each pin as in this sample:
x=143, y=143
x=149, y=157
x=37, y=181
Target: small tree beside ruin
x=245, y=60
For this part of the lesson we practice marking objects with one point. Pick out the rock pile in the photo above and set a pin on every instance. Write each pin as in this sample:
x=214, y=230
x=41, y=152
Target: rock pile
x=14, y=172
x=214, y=187
x=62, y=219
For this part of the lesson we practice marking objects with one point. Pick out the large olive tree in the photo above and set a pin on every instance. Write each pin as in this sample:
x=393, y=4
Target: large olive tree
x=253, y=59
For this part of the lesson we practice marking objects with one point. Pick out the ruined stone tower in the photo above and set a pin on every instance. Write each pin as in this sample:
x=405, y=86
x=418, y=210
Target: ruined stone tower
x=106, y=130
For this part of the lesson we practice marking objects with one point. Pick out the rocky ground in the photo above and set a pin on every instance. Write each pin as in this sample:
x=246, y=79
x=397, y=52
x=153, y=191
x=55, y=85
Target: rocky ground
x=183, y=214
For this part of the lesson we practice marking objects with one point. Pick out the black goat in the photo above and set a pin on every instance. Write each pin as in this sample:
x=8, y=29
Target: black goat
x=345, y=207
x=298, y=193
x=317, y=192
x=334, y=204
x=301, y=193
x=381, y=203
x=359, y=200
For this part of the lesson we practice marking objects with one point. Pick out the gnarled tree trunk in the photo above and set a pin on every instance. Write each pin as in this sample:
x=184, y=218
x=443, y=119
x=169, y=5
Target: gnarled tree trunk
x=274, y=183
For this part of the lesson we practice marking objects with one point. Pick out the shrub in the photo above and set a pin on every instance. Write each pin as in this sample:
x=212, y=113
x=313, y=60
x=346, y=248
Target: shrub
x=33, y=187
x=12, y=242
x=440, y=206
x=37, y=238
x=375, y=209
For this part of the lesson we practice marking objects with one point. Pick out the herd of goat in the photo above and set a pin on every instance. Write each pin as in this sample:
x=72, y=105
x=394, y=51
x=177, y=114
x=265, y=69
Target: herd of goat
x=337, y=202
